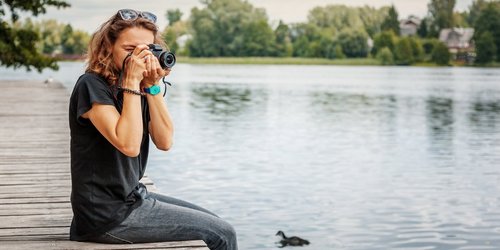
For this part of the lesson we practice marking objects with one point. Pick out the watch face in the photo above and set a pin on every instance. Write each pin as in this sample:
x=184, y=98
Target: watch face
x=155, y=89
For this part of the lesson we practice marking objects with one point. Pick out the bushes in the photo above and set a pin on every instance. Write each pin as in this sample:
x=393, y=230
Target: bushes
x=440, y=54
x=385, y=56
x=486, y=48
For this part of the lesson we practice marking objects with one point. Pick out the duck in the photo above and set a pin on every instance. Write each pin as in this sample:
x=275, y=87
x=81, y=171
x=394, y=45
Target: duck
x=291, y=241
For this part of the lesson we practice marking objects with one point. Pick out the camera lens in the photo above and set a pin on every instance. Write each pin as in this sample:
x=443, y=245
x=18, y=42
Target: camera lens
x=167, y=60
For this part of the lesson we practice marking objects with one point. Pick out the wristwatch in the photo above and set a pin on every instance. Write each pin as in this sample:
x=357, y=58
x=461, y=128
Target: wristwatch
x=153, y=90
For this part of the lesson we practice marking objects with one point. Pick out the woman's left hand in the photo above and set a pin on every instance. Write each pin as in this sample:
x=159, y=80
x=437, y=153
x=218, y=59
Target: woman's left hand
x=153, y=72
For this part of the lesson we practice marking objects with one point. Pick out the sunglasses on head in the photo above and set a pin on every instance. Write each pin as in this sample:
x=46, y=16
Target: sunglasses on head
x=131, y=15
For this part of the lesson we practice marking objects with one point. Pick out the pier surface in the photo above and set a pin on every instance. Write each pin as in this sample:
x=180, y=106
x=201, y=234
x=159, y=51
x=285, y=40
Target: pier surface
x=35, y=185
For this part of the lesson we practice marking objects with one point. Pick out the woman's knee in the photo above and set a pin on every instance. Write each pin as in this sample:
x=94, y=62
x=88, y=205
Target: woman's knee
x=224, y=237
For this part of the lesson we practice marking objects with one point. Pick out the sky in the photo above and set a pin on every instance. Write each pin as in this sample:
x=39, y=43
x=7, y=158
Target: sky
x=87, y=15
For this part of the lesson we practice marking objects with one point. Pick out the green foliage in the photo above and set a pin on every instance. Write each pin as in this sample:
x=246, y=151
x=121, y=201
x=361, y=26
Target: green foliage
x=441, y=12
x=173, y=16
x=423, y=29
x=338, y=53
x=475, y=10
x=230, y=28
x=486, y=48
x=57, y=38
x=489, y=21
x=354, y=43
x=403, y=52
x=391, y=21
x=417, y=49
x=284, y=47
x=428, y=45
x=338, y=17
x=386, y=39
x=440, y=54
x=18, y=46
x=460, y=19
x=385, y=56
x=311, y=41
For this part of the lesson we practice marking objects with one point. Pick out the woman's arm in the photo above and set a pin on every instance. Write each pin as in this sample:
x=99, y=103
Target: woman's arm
x=160, y=126
x=123, y=131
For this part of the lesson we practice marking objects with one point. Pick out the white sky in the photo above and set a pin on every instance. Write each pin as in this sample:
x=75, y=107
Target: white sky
x=89, y=14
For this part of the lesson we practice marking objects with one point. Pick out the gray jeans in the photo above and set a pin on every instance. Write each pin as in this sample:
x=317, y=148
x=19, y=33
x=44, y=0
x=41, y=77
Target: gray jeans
x=163, y=218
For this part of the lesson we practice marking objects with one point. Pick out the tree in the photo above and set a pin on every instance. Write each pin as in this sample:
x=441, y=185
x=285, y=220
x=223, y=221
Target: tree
x=475, y=10
x=66, y=40
x=230, y=28
x=486, y=48
x=81, y=40
x=339, y=54
x=489, y=21
x=284, y=47
x=417, y=49
x=441, y=12
x=305, y=37
x=440, y=54
x=403, y=52
x=391, y=21
x=354, y=43
x=173, y=16
x=335, y=18
x=386, y=39
x=385, y=56
x=18, y=46
x=423, y=29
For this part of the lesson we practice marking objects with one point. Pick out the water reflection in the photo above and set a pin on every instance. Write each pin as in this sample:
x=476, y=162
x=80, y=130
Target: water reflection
x=348, y=102
x=484, y=114
x=440, y=121
x=225, y=100
x=440, y=115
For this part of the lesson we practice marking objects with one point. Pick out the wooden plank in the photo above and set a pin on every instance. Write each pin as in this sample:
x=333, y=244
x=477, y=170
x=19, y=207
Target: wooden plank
x=56, y=245
x=35, y=186
x=32, y=231
x=34, y=200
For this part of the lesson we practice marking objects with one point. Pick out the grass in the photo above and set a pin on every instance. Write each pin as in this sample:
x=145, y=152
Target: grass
x=277, y=60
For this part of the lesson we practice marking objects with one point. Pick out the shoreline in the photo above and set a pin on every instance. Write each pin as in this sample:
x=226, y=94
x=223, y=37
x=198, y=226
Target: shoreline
x=307, y=61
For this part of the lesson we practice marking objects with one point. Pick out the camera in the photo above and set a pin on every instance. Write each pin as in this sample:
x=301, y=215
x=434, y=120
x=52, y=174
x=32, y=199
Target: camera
x=166, y=58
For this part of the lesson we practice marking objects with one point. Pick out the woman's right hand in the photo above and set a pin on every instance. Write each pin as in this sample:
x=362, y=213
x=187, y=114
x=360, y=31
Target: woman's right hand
x=136, y=66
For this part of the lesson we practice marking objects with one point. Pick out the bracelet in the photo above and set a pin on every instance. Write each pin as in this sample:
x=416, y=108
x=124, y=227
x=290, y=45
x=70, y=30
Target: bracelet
x=131, y=91
x=165, y=92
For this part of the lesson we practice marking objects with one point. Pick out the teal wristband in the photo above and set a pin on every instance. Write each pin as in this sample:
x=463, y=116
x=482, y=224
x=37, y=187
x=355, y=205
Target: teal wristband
x=153, y=90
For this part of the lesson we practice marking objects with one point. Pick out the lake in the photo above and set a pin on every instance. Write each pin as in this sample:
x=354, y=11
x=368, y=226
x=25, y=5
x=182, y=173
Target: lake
x=346, y=157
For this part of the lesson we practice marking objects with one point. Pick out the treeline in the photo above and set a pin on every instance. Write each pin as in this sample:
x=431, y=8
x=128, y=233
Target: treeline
x=235, y=28
x=57, y=39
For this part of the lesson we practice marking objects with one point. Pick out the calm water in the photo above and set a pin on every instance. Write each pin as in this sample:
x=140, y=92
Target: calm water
x=346, y=157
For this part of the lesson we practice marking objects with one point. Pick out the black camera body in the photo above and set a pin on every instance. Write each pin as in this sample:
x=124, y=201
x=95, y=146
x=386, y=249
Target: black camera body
x=166, y=58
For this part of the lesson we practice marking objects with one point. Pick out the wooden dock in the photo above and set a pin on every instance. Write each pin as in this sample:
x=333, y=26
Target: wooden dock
x=35, y=212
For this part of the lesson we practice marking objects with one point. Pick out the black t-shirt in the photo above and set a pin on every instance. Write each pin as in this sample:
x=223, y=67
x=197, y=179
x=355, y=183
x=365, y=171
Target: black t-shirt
x=104, y=181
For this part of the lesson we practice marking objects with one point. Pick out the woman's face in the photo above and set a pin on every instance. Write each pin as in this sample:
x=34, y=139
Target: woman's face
x=128, y=40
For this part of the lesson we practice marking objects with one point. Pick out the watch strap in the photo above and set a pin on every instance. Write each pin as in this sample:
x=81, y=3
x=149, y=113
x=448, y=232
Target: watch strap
x=153, y=90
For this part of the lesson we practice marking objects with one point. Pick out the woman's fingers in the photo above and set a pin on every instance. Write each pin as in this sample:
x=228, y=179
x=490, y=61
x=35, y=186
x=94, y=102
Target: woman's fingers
x=149, y=65
x=154, y=66
x=166, y=72
x=140, y=49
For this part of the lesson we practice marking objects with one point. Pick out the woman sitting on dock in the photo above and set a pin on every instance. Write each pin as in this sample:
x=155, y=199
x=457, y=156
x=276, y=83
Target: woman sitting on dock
x=114, y=108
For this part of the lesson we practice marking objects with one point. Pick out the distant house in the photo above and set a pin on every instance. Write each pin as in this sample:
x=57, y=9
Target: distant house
x=459, y=42
x=409, y=26
x=458, y=39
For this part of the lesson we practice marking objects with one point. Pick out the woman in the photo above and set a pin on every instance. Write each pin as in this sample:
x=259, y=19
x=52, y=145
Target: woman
x=112, y=114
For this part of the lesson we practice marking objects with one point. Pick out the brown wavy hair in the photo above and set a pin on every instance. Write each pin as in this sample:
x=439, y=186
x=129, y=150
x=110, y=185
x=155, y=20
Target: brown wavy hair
x=100, y=49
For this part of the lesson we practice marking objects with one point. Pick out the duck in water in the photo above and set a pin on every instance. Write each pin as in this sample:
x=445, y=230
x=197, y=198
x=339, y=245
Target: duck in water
x=292, y=241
